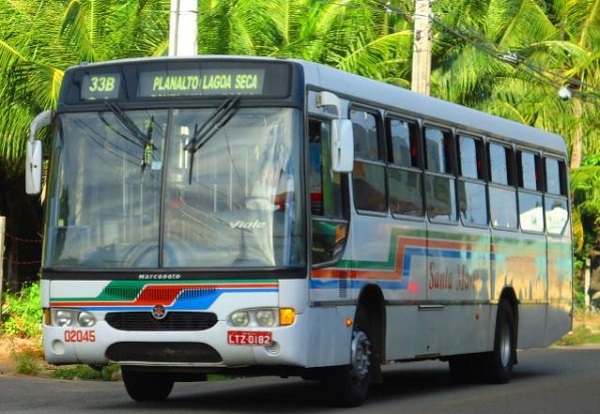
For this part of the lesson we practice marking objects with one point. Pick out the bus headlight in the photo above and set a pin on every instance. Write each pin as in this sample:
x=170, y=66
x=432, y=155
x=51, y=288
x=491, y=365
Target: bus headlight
x=72, y=317
x=86, y=319
x=240, y=318
x=63, y=318
x=265, y=317
x=262, y=317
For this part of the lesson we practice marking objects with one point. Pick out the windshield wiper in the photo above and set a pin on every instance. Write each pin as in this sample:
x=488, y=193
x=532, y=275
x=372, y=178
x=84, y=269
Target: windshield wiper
x=210, y=127
x=144, y=139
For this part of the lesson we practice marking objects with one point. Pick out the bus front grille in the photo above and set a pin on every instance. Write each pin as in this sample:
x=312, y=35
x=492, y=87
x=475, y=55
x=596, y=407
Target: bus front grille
x=163, y=352
x=173, y=321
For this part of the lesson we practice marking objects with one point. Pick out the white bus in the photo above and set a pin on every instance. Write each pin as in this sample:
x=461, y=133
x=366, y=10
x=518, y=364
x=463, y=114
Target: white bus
x=256, y=216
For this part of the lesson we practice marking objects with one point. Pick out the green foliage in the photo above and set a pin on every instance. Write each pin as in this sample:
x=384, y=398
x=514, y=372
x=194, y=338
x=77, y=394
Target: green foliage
x=578, y=336
x=87, y=372
x=579, y=296
x=27, y=361
x=22, y=312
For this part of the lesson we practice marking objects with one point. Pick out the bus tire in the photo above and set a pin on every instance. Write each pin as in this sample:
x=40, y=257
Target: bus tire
x=499, y=362
x=147, y=386
x=347, y=385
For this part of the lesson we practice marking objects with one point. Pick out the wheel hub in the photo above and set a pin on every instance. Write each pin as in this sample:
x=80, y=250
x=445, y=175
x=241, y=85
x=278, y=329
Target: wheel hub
x=360, y=355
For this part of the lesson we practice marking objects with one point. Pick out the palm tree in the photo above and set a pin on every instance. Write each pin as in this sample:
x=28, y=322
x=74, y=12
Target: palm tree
x=578, y=58
x=325, y=32
x=33, y=55
x=38, y=41
x=511, y=57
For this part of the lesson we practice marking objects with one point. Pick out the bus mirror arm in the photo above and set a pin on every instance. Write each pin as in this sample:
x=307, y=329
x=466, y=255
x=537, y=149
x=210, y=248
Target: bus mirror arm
x=330, y=99
x=33, y=158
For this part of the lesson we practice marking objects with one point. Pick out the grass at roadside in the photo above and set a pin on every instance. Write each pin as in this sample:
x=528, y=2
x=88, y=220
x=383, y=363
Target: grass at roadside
x=586, y=330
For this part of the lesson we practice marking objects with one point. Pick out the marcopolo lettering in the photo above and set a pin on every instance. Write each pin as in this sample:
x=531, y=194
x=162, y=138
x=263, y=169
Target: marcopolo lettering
x=159, y=276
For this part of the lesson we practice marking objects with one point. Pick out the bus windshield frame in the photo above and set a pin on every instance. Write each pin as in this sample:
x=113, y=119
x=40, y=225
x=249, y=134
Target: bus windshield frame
x=130, y=190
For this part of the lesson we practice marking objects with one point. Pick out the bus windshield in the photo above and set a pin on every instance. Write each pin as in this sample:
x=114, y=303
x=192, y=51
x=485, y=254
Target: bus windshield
x=176, y=188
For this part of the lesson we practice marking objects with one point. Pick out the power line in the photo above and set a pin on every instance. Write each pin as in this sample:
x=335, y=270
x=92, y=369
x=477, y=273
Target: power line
x=476, y=39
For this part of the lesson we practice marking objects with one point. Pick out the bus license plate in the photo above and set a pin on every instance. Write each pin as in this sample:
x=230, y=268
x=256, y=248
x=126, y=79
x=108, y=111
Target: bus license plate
x=252, y=338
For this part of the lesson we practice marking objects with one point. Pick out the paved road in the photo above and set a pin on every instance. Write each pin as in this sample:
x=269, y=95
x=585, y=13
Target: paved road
x=558, y=380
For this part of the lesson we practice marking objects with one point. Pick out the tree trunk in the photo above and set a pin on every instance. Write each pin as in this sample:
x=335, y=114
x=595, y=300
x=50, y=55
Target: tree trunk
x=577, y=138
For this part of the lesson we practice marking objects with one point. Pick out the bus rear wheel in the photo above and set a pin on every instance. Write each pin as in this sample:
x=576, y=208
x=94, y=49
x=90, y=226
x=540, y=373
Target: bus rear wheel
x=347, y=385
x=498, y=364
x=146, y=386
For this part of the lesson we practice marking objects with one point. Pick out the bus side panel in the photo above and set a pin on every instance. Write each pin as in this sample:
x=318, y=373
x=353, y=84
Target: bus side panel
x=560, y=289
x=401, y=341
x=459, y=287
x=459, y=329
x=469, y=331
x=532, y=324
x=519, y=263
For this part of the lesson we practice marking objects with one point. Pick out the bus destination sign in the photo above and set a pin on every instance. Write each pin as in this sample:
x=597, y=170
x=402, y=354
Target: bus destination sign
x=199, y=82
x=100, y=86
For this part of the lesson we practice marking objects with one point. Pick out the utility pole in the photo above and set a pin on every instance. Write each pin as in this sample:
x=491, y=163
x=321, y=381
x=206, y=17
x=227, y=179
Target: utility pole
x=421, y=69
x=183, y=28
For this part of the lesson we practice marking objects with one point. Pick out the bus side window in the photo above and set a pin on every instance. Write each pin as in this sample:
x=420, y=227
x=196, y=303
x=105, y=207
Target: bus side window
x=472, y=197
x=369, y=170
x=404, y=172
x=329, y=225
x=440, y=194
x=556, y=209
x=503, y=201
x=531, y=214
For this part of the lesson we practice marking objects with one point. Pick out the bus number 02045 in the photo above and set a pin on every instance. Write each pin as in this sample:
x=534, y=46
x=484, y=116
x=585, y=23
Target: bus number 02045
x=73, y=335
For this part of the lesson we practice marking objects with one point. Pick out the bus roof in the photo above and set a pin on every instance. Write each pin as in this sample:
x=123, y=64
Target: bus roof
x=430, y=108
x=398, y=99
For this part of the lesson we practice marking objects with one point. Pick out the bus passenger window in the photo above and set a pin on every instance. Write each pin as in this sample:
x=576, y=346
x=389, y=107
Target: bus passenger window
x=404, y=172
x=556, y=211
x=440, y=193
x=531, y=215
x=369, y=171
x=472, y=197
x=503, y=202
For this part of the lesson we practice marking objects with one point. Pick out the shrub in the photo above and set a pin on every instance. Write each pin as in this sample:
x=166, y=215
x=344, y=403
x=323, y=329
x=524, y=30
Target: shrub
x=27, y=360
x=22, y=312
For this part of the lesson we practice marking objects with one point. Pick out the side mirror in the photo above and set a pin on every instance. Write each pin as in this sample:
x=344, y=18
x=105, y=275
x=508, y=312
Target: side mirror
x=33, y=158
x=342, y=146
x=33, y=167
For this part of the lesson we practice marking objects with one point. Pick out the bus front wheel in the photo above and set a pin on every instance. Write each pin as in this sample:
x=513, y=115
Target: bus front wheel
x=146, y=386
x=347, y=385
